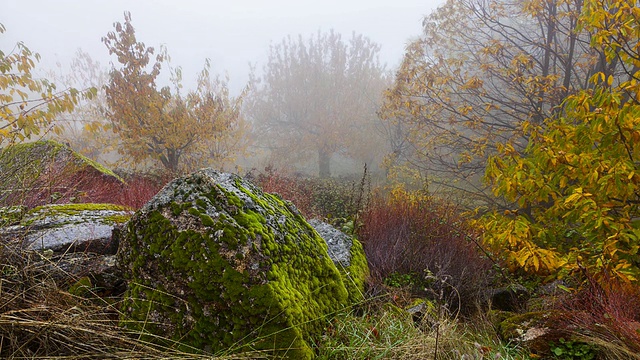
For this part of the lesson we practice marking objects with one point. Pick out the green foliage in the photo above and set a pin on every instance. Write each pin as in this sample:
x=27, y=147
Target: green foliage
x=569, y=350
x=398, y=280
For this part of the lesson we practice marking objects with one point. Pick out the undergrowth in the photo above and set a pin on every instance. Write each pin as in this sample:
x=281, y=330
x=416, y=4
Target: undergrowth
x=419, y=249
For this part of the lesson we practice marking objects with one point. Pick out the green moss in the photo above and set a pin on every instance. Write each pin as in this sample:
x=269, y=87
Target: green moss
x=356, y=274
x=207, y=220
x=74, y=209
x=238, y=281
x=25, y=159
x=82, y=287
x=193, y=211
x=60, y=211
x=117, y=219
x=514, y=326
x=11, y=215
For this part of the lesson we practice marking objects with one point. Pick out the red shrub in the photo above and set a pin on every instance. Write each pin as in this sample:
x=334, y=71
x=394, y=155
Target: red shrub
x=139, y=190
x=607, y=314
x=408, y=234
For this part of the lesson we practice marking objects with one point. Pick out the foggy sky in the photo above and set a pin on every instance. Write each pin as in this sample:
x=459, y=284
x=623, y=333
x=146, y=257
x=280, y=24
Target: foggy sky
x=231, y=33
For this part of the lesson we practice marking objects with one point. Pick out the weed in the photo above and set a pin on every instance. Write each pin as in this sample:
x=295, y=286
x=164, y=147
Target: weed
x=570, y=350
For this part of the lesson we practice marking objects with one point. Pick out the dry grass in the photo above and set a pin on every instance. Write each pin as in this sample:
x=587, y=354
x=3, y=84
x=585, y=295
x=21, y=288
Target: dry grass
x=40, y=318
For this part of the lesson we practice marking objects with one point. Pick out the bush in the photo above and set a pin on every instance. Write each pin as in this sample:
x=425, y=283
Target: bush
x=404, y=233
x=605, y=314
x=139, y=189
x=334, y=200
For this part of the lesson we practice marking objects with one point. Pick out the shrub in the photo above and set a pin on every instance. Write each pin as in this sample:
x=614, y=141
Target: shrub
x=335, y=200
x=139, y=189
x=404, y=233
x=605, y=314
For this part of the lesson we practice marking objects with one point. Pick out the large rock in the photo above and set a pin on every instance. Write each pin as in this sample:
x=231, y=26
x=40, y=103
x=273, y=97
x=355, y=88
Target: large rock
x=347, y=254
x=45, y=172
x=63, y=228
x=218, y=265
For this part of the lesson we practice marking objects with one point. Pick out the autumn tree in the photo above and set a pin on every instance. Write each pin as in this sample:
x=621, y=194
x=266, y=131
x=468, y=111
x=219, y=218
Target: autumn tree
x=576, y=183
x=482, y=73
x=161, y=124
x=29, y=105
x=222, y=119
x=318, y=97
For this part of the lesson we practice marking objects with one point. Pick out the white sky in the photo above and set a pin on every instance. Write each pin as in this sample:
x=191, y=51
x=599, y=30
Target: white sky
x=230, y=33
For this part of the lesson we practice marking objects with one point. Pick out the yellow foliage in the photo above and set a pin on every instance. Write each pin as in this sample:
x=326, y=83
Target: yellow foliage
x=578, y=177
x=23, y=115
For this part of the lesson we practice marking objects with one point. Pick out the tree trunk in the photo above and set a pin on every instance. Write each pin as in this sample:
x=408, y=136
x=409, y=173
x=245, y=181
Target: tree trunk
x=324, y=163
x=171, y=161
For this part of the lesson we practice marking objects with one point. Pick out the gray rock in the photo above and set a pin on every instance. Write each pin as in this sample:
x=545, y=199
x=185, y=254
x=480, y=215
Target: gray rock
x=510, y=298
x=339, y=243
x=101, y=270
x=69, y=227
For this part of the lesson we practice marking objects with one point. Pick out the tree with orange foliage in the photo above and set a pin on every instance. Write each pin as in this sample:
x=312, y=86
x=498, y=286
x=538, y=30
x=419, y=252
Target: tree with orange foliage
x=158, y=124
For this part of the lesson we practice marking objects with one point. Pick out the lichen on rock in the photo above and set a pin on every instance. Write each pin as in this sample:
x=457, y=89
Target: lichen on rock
x=217, y=265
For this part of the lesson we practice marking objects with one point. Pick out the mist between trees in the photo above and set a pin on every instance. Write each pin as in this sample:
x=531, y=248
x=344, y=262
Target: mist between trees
x=539, y=98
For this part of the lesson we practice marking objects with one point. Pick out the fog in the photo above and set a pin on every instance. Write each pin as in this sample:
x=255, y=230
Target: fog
x=233, y=34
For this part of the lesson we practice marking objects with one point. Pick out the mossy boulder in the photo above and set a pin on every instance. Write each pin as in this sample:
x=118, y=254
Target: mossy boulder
x=534, y=330
x=63, y=227
x=347, y=254
x=219, y=266
x=46, y=172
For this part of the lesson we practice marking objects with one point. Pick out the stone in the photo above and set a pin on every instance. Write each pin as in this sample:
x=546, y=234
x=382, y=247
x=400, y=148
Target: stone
x=510, y=298
x=66, y=228
x=533, y=330
x=99, y=272
x=46, y=172
x=214, y=263
x=347, y=254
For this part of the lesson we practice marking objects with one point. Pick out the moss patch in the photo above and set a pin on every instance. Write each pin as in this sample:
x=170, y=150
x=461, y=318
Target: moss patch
x=26, y=158
x=215, y=263
x=11, y=215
